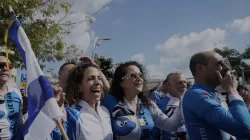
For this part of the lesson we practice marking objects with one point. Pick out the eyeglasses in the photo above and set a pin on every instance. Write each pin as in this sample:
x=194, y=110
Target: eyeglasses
x=3, y=64
x=133, y=75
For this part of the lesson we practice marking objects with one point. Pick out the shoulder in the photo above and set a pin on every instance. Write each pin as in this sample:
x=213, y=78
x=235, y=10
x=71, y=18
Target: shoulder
x=200, y=97
x=105, y=110
x=163, y=103
x=165, y=99
x=109, y=102
x=14, y=90
x=156, y=95
x=194, y=93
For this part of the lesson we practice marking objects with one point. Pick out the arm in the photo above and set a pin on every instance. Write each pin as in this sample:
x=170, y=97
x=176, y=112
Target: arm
x=165, y=123
x=236, y=122
x=105, y=81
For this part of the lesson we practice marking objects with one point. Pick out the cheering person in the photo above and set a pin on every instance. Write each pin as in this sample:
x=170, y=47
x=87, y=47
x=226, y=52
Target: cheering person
x=88, y=120
x=134, y=116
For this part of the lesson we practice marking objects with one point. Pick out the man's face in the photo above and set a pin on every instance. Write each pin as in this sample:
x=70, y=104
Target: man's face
x=215, y=63
x=177, y=85
x=63, y=75
x=4, y=74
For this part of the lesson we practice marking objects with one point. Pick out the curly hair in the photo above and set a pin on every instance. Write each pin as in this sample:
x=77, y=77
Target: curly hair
x=117, y=90
x=74, y=80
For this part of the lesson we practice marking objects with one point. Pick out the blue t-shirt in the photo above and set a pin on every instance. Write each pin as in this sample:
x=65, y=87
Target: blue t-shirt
x=205, y=118
x=127, y=124
x=10, y=114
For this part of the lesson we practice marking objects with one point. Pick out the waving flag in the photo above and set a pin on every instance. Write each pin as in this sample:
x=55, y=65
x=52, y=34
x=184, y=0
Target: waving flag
x=42, y=106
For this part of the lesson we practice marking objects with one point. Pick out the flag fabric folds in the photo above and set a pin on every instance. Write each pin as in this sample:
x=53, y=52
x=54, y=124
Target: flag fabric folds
x=42, y=106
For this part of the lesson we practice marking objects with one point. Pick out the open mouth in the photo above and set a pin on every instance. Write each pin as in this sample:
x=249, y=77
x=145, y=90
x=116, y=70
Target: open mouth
x=95, y=91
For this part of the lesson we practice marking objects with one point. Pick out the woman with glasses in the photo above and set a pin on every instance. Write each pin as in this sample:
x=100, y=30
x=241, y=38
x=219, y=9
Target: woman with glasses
x=134, y=116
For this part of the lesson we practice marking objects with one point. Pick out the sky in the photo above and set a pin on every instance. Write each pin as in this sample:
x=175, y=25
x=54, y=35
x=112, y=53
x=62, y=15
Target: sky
x=160, y=34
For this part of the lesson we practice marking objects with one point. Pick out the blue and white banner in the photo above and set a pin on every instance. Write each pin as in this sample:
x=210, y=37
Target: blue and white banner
x=42, y=106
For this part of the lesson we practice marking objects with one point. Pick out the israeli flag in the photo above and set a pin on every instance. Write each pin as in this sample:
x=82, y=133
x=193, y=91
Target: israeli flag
x=42, y=106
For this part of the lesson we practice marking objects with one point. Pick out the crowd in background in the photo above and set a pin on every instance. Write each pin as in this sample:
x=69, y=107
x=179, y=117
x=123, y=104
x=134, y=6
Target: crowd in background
x=96, y=109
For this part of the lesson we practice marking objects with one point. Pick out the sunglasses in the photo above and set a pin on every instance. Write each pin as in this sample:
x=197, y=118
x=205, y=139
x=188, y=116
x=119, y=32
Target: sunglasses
x=2, y=65
x=133, y=75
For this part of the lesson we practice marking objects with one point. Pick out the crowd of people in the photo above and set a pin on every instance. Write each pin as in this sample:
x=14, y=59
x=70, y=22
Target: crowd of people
x=97, y=109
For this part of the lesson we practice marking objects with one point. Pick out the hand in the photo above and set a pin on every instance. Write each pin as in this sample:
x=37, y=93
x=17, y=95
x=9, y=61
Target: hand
x=87, y=59
x=59, y=95
x=60, y=98
x=228, y=82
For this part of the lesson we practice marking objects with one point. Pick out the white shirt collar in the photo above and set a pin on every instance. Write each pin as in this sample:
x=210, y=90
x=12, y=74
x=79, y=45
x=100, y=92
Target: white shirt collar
x=173, y=100
x=85, y=105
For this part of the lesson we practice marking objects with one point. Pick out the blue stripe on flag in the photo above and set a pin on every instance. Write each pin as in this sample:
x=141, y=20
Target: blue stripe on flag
x=42, y=108
x=39, y=92
x=14, y=36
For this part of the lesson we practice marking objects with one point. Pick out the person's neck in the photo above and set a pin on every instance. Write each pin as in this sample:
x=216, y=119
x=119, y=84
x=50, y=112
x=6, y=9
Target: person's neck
x=132, y=99
x=3, y=88
x=93, y=106
x=205, y=83
x=164, y=90
x=173, y=95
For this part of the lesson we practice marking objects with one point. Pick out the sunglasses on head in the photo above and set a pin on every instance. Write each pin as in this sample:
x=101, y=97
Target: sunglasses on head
x=133, y=75
x=2, y=65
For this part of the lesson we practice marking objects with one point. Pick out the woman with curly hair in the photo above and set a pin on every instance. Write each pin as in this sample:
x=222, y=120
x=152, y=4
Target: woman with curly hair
x=134, y=116
x=88, y=120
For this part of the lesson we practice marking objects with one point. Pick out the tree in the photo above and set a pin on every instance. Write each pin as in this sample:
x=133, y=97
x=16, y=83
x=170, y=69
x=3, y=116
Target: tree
x=235, y=59
x=106, y=66
x=72, y=53
x=52, y=76
x=42, y=28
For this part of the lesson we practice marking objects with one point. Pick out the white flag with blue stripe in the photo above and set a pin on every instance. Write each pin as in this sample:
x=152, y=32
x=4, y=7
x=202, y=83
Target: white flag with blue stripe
x=42, y=106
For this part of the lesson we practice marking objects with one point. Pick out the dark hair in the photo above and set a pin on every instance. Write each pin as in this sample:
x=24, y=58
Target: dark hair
x=241, y=87
x=199, y=58
x=65, y=64
x=75, y=78
x=21, y=89
x=117, y=90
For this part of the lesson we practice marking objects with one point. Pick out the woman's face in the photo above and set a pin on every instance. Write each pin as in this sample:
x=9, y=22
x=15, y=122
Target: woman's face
x=91, y=86
x=132, y=81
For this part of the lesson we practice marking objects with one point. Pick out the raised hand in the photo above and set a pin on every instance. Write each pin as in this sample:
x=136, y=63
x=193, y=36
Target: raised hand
x=60, y=98
x=228, y=82
x=87, y=59
x=59, y=95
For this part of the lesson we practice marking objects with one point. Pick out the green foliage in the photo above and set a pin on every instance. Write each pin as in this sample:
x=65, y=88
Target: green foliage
x=72, y=53
x=235, y=58
x=106, y=65
x=52, y=76
x=246, y=53
x=43, y=29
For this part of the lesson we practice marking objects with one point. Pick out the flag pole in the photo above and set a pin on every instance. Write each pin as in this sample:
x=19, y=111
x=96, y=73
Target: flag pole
x=58, y=122
x=60, y=126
